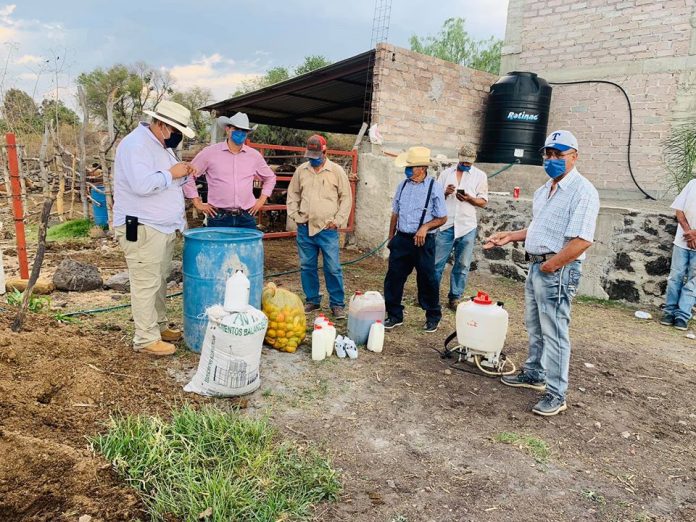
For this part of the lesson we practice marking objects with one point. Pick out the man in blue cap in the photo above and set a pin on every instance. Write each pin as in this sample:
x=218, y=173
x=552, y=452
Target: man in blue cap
x=564, y=216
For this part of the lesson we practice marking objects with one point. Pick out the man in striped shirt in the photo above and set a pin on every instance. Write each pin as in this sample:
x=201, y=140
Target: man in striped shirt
x=564, y=215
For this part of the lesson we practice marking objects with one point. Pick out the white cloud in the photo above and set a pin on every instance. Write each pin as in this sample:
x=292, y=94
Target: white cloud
x=7, y=10
x=215, y=72
x=28, y=59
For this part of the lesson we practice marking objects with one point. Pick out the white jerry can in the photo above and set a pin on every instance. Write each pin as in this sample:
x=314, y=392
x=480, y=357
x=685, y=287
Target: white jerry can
x=482, y=325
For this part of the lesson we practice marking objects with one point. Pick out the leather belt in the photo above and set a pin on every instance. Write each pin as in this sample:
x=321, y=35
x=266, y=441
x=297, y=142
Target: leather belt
x=231, y=211
x=538, y=258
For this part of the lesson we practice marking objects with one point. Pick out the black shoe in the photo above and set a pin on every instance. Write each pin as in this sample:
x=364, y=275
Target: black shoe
x=453, y=304
x=431, y=326
x=523, y=380
x=392, y=323
x=681, y=324
x=311, y=307
x=667, y=320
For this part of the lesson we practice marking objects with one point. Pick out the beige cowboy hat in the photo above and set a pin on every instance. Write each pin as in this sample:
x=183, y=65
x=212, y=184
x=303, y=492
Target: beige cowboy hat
x=414, y=157
x=175, y=115
x=239, y=121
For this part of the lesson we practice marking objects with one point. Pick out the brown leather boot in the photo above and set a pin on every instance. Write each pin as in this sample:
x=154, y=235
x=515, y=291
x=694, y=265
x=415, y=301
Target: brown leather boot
x=171, y=335
x=158, y=349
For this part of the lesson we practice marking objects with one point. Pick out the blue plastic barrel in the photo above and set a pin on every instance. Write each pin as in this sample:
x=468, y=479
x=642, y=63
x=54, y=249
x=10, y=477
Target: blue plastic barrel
x=101, y=217
x=211, y=256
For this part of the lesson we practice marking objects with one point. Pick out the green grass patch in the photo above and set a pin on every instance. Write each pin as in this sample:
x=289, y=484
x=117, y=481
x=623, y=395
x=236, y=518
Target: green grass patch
x=536, y=447
x=76, y=228
x=593, y=496
x=221, y=464
x=37, y=303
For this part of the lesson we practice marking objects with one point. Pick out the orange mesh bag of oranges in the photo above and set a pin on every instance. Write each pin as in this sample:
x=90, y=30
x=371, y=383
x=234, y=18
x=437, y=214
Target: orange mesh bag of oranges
x=287, y=324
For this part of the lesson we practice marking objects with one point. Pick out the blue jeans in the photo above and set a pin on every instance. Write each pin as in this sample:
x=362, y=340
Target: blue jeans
x=681, y=284
x=308, y=248
x=547, y=317
x=244, y=220
x=463, y=252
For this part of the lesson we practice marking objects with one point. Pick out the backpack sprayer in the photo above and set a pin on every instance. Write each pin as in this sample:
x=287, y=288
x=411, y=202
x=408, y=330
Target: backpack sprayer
x=481, y=330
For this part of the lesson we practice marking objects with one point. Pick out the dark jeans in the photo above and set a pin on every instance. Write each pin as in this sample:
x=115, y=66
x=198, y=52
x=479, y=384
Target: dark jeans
x=404, y=256
x=243, y=220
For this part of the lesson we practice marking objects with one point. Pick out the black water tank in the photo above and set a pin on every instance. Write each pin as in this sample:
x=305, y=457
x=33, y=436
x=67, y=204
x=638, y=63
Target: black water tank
x=516, y=119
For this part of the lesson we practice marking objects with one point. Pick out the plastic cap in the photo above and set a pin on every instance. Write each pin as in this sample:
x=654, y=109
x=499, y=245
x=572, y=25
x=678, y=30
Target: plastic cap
x=482, y=299
x=378, y=321
x=317, y=327
x=358, y=292
x=330, y=323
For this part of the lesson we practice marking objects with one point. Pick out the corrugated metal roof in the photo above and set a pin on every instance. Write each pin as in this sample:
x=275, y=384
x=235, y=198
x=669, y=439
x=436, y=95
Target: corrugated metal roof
x=330, y=99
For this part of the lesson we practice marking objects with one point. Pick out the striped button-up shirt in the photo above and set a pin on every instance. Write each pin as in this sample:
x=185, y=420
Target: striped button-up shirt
x=569, y=213
x=409, y=201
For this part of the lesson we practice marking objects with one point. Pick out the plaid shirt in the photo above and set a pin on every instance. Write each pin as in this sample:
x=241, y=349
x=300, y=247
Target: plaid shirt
x=571, y=212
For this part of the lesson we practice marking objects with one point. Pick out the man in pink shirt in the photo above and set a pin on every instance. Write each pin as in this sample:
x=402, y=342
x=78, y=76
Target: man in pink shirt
x=230, y=169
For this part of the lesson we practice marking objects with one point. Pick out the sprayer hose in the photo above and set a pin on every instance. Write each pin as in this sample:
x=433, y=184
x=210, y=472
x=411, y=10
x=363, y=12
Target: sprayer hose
x=477, y=359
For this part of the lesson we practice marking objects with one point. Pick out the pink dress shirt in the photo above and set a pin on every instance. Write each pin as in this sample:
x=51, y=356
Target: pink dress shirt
x=231, y=176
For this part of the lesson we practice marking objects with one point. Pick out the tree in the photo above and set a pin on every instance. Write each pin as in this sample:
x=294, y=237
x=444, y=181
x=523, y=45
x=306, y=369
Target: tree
x=272, y=133
x=131, y=89
x=193, y=99
x=21, y=113
x=454, y=44
x=311, y=63
x=51, y=110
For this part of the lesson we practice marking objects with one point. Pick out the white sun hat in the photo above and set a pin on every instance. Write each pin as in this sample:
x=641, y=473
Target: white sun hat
x=175, y=115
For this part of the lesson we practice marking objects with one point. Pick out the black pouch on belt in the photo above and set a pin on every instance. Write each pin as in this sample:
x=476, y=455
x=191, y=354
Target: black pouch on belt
x=131, y=228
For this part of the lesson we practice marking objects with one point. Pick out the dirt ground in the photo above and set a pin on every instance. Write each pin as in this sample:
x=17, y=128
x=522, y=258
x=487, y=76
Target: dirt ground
x=413, y=439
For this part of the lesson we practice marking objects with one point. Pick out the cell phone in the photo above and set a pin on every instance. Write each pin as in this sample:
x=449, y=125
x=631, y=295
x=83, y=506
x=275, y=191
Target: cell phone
x=131, y=228
x=461, y=191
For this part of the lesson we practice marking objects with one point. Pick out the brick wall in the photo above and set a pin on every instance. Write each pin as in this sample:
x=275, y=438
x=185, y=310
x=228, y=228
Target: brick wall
x=421, y=100
x=645, y=46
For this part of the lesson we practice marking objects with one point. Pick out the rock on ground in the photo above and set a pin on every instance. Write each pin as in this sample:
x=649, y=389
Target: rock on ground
x=119, y=282
x=74, y=276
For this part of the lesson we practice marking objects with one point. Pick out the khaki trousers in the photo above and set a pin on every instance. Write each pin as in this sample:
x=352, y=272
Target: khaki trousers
x=149, y=261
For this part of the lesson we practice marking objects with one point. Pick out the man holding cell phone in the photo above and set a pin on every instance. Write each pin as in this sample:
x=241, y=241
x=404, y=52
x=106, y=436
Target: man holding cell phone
x=148, y=210
x=466, y=190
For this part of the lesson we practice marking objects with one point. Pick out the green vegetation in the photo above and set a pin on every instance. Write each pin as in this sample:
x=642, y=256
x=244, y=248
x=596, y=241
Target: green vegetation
x=537, y=448
x=216, y=465
x=679, y=151
x=454, y=44
x=593, y=496
x=69, y=230
x=36, y=303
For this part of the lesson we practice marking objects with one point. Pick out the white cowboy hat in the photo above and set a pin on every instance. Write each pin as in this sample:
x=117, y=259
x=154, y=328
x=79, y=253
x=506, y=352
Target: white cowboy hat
x=414, y=157
x=239, y=121
x=175, y=115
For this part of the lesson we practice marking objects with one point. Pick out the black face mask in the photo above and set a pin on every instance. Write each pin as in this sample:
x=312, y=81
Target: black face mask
x=172, y=142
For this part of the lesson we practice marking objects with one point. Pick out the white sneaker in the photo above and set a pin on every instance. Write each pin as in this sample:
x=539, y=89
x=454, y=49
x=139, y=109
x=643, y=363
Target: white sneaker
x=339, y=345
x=350, y=348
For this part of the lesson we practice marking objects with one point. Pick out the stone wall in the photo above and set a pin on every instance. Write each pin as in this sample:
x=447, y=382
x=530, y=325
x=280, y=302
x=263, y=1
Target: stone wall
x=647, y=47
x=421, y=100
x=629, y=260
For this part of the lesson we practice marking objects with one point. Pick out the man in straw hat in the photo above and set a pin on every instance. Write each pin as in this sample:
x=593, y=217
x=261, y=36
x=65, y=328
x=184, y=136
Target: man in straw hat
x=148, y=210
x=230, y=169
x=466, y=190
x=418, y=209
x=319, y=201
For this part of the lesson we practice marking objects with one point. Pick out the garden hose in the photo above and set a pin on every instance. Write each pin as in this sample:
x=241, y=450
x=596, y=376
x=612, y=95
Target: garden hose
x=177, y=294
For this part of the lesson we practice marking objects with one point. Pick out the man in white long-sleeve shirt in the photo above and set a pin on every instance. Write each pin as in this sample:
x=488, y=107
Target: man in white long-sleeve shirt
x=148, y=210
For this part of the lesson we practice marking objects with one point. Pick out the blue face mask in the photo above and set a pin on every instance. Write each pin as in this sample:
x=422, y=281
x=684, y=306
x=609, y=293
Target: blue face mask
x=408, y=172
x=555, y=167
x=238, y=136
x=316, y=162
x=463, y=168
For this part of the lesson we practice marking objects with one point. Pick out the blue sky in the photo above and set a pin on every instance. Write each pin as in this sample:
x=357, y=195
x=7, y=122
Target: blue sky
x=201, y=42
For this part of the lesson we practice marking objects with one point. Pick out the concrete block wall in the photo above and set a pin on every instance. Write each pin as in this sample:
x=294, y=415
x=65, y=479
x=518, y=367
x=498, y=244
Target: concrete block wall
x=421, y=100
x=648, y=47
